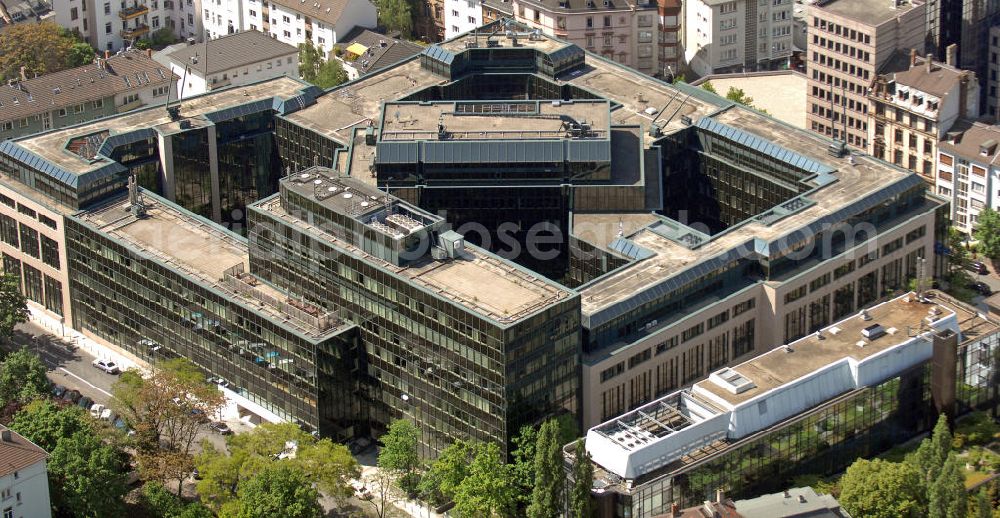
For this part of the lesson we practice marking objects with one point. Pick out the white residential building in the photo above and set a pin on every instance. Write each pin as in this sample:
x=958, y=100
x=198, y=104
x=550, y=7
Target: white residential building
x=968, y=171
x=324, y=22
x=114, y=24
x=737, y=35
x=461, y=16
x=232, y=60
x=24, y=481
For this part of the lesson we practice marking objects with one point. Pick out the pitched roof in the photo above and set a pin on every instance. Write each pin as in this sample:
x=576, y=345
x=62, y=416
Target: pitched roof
x=18, y=453
x=233, y=51
x=328, y=11
x=938, y=81
x=966, y=137
x=383, y=51
x=122, y=73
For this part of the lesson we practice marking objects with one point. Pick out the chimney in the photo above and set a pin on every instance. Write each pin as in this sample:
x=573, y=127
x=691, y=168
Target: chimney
x=913, y=57
x=930, y=63
x=675, y=510
x=149, y=53
x=951, y=55
x=24, y=73
x=5, y=436
x=107, y=54
x=720, y=495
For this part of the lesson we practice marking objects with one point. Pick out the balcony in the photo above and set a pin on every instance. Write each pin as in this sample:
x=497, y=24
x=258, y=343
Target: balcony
x=132, y=33
x=132, y=12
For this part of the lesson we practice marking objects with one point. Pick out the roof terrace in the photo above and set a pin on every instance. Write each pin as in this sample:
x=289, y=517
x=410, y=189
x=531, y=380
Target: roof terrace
x=735, y=402
x=209, y=255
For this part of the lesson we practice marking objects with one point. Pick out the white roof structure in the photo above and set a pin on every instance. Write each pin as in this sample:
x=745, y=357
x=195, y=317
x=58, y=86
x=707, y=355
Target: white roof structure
x=738, y=401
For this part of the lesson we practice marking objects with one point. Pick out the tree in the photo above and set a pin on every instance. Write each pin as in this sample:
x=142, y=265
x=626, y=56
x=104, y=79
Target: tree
x=439, y=483
x=983, y=507
x=488, y=490
x=159, y=502
x=331, y=466
x=22, y=377
x=87, y=477
x=932, y=453
x=170, y=406
x=399, y=453
x=395, y=15
x=41, y=48
x=330, y=74
x=381, y=489
x=523, y=469
x=318, y=71
x=988, y=233
x=166, y=465
x=707, y=85
x=737, y=95
x=883, y=489
x=13, y=305
x=280, y=489
x=44, y=423
x=679, y=78
x=580, y=504
x=80, y=53
x=550, y=478
x=947, y=494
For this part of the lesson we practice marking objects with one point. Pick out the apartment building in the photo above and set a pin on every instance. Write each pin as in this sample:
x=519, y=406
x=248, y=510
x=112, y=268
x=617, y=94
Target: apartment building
x=24, y=482
x=114, y=25
x=324, y=23
x=367, y=51
x=623, y=31
x=236, y=59
x=737, y=36
x=494, y=10
x=911, y=110
x=968, y=171
x=111, y=85
x=12, y=11
x=461, y=16
x=849, y=43
x=429, y=20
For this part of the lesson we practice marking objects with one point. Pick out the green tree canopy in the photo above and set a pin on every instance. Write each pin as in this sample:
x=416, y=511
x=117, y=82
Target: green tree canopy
x=87, y=477
x=550, y=477
x=13, y=305
x=488, y=491
x=41, y=48
x=932, y=453
x=22, y=377
x=580, y=505
x=883, y=489
x=947, y=493
x=399, y=453
x=44, y=423
x=707, y=85
x=439, y=483
x=395, y=15
x=280, y=489
x=737, y=95
x=988, y=233
x=317, y=70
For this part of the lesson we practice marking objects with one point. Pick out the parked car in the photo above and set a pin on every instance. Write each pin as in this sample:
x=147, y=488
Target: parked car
x=199, y=415
x=221, y=428
x=978, y=267
x=72, y=396
x=107, y=366
x=85, y=402
x=58, y=391
x=97, y=410
x=981, y=288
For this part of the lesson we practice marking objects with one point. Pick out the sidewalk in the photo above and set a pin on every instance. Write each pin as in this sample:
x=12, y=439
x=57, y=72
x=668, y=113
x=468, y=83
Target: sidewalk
x=124, y=359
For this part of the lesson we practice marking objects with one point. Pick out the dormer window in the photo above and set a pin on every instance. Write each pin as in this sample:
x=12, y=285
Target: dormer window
x=932, y=105
x=918, y=100
x=904, y=94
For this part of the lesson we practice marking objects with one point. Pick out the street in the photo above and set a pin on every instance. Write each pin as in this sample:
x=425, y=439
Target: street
x=71, y=367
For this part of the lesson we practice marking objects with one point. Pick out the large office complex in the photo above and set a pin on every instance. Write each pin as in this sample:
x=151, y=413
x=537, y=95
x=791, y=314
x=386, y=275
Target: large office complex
x=849, y=390
x=850, y=42
x=737, y=36
x=501, y=228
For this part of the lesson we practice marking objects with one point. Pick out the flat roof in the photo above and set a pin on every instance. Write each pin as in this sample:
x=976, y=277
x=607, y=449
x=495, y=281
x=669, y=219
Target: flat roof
x=865, y=177
x=460, y=42
x=477, y=280
x=212, y=256
x=473, y=120
x=52, y=145
x=868, y=12
x=901, y=318
x=782, y=93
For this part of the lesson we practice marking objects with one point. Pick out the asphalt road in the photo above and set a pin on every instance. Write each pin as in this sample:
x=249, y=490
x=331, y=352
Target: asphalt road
x=71, y=367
